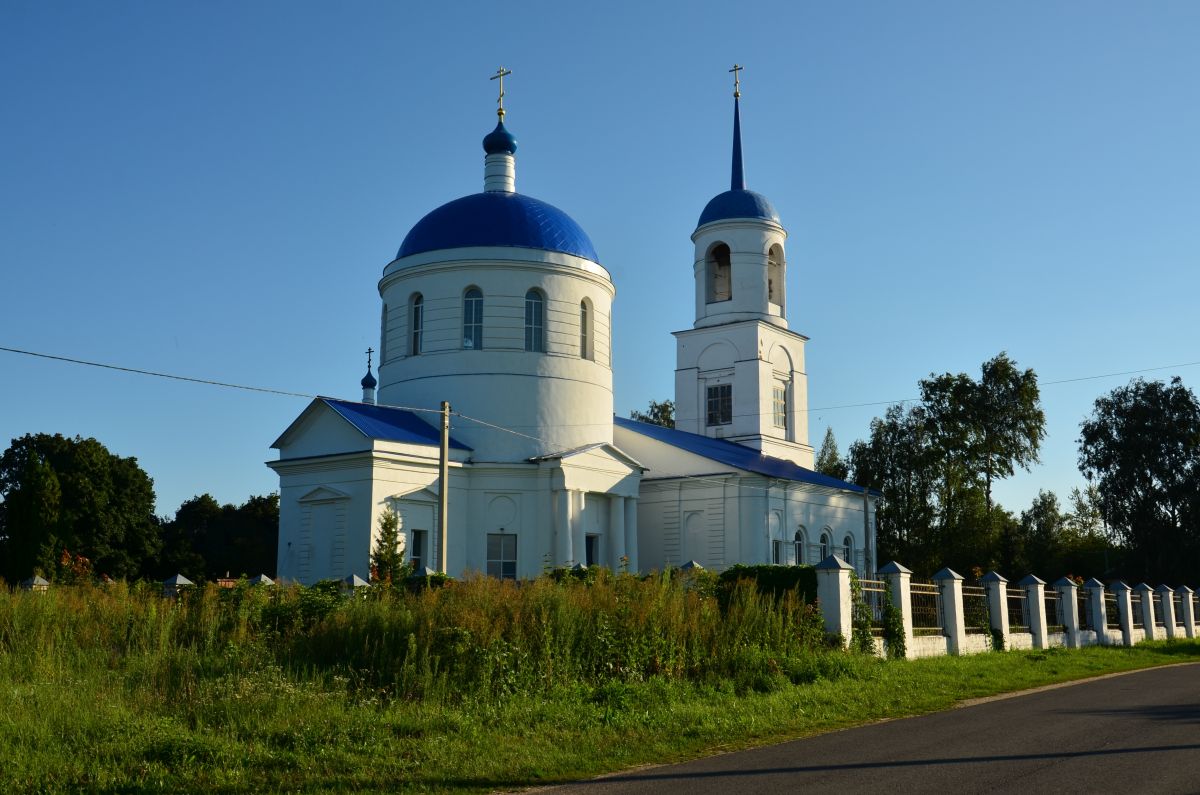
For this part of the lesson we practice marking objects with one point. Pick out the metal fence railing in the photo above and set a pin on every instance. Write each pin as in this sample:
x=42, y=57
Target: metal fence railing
x=873, y=596
x=1160, y=615
x=1018, y=610
x=926, y=609
x=976, y=617
x=1083, y=607
x=1135, y=601
x=1054, y=611
x=1112, y=615
x=1177, y=604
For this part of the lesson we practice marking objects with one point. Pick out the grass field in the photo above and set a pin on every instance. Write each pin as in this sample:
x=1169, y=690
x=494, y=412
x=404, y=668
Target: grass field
x=478, y=687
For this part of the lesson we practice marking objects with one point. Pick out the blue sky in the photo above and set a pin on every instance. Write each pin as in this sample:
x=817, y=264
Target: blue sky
x=212, y=189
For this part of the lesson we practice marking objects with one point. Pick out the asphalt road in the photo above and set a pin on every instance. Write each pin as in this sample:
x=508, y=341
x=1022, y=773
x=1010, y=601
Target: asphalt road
x=1137, y=732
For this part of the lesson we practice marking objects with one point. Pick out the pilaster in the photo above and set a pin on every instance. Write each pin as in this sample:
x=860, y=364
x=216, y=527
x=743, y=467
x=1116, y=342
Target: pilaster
x=949, y=583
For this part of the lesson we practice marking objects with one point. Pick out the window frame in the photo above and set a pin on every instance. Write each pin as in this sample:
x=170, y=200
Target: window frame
x=535, y=321
x=499, y=565
x=586, y=345
x=779, y=405
x=416, y=324
x=417, y=556
x=720, y=396
x=472, y=319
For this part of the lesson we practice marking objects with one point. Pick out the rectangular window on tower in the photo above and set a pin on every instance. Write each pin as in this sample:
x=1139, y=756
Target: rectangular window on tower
x=720, y=404
x=779, y=405
x=502, y=556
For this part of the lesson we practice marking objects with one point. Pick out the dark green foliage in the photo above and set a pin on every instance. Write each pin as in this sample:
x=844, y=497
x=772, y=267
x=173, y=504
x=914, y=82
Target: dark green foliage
x=893, y=628
x=1141, y=447
x=777, y=581
x=73, y=494
x=657, y=414
x=861, y=638
x=206, y=540
x=387, y=560
x=829, y=460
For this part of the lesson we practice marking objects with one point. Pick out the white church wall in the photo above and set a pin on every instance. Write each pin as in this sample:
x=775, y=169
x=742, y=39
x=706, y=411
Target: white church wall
x=324, y=520
x=749, y=242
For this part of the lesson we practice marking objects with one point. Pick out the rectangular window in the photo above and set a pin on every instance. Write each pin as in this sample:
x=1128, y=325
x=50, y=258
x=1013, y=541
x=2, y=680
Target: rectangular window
x=584, y=352
x=417, y=553
x=502, y=556
x=591, y=547
x=720, y=404
x=473, y=320
x=418, y=326
x=783, y=553
x=535, y=322
x=779, y=405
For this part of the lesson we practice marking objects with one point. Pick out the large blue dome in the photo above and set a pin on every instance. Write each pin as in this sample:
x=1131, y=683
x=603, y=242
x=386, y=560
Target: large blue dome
x=498, y=219
x=734, y=204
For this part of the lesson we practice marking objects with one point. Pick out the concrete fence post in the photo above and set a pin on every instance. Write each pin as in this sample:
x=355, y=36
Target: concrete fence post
x=1097, y=609
x=997, y=596
x=1165, y=594
x=1147, y=616
x=833, y=591
x=1189, y=611
x=899, y=580
x=1124, y=610
x=1035, y=599
x=949, y=583
x=1069, y=606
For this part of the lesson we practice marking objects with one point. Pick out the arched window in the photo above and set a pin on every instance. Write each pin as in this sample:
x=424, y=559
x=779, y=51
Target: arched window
x=473, y=319
x=383, y=335
x=824, y=545
x=848, y=549
x=719, y=280
x=535, y=321
x=800, y=542
x=775, y=277
x=417, y=326
x=585, y=331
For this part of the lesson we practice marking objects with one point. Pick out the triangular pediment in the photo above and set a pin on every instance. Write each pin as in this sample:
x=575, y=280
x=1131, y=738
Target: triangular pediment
x=426, y=494
x=324, y=493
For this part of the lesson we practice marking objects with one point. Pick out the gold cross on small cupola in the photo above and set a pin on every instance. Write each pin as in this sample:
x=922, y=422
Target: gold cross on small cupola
x=501, y=73
x=737, y=85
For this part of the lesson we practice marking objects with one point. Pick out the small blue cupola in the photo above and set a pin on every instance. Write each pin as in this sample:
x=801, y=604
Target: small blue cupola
x=500, y=141
x=368, y=381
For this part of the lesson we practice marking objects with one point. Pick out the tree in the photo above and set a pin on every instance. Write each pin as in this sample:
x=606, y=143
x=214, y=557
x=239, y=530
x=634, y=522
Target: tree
x=1141, y=447
x=207, y=540
x=829, y=460
x=657, y=414
x=73, y=494
x=387, y=561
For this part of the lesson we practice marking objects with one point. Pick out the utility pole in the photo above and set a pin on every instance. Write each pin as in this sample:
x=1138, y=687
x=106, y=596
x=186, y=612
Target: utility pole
x=443, y=486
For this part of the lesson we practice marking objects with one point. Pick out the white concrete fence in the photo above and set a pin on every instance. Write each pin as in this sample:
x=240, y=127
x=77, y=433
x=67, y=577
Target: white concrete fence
x=946, y=616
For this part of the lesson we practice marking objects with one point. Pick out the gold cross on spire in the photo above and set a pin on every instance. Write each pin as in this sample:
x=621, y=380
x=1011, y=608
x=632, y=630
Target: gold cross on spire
x=501, y=73
x=737, y=86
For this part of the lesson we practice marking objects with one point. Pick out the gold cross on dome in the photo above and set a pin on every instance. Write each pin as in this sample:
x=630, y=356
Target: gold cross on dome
x=737, y=86
x=501, y=73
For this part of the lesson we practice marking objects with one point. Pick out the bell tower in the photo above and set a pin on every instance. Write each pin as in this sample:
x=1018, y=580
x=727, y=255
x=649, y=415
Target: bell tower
x=740, y=371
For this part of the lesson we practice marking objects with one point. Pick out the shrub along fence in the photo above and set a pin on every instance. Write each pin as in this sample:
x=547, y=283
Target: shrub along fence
x=945, y=616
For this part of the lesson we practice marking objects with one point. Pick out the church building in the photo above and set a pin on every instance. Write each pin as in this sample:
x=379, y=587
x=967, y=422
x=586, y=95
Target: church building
x=497, y=303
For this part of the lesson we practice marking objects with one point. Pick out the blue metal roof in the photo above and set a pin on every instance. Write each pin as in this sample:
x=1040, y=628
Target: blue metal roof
x=734, y=455
x=498, y=219
x=389, y=424
x=737, y=204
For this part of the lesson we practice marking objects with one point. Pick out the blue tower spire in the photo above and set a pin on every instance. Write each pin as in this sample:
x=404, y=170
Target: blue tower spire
x=737, y=180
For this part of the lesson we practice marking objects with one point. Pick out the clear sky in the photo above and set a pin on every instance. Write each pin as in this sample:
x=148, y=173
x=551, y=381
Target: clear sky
x=213, y=189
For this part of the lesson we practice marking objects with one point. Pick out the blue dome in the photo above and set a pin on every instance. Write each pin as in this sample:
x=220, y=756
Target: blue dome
x=500, y=141
x=737, y=204
x=368, y=381
x=498, y=219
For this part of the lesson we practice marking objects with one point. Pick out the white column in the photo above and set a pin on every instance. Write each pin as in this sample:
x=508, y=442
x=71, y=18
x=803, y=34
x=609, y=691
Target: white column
x=1165, y=594
x=1035, y=598
x=1124, y=611
x=1147, y=594
x=997, y=595
x=563, y=552
x=899, y=581
x=954, y=625
x=833, y=592
x=1070, y=611
x=616, y=531
x=1099, y=610
x=631, y=529
x=1189, y=611
x=579, y=550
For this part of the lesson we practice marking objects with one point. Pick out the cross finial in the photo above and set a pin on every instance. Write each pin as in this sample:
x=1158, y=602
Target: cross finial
x=369, y=352
x=737, y=85
x=501, y=73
